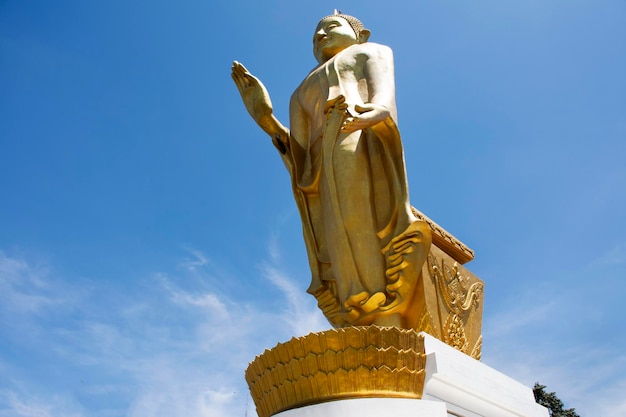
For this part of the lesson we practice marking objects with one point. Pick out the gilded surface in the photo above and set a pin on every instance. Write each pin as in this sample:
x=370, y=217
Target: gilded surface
x=343, y=151
x=445, y=241
x=353, y=362
x=459, y=296
x=374, y=259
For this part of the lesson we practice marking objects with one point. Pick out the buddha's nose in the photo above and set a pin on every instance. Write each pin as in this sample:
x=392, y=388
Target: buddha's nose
x=320, y=34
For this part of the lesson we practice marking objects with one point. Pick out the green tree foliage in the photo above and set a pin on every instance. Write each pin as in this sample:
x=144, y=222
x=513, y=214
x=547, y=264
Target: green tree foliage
x=551, y=402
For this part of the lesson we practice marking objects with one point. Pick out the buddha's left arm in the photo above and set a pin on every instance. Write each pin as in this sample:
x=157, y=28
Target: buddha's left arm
x=378, y=73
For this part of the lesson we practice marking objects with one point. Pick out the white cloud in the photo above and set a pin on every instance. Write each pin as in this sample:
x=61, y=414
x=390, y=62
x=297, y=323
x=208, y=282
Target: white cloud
x=300, y=311
x=24, y=288
x=208, y=301
x=23, y=406
x=617, y=255
x=172, y=348
x=609, y=402
x=197, y=261
x=521, y=316
x=553, y=335
x=587, y=377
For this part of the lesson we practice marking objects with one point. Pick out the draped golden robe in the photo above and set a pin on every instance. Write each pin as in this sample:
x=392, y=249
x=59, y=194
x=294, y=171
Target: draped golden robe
x=365, y=247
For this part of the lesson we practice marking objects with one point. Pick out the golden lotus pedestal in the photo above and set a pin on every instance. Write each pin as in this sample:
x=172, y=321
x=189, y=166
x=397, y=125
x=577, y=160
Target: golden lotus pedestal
x=381, y=371
x=354, y=362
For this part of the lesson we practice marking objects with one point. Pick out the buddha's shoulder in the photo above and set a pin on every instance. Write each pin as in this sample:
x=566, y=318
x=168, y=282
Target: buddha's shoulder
x=368, y=48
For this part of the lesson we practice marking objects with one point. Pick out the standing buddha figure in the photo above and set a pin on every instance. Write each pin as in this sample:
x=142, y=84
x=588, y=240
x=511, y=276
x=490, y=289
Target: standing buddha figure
x=343, y=152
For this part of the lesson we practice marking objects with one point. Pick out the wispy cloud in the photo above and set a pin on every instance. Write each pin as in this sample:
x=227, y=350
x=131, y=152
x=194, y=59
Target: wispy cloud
x=174, y=344
x=564, y=336
x=25, y=288
x=197, y=261
x=301, y=313
x=209, y=302
x=588, y=377
x=524, y=312
x=617, y=255
x=168, y=347
x=15, y=405
x=610, y=401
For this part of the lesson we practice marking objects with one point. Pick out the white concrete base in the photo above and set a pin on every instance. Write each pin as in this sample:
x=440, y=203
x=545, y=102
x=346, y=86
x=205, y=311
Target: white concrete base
x=470, y=388
x=370, y=407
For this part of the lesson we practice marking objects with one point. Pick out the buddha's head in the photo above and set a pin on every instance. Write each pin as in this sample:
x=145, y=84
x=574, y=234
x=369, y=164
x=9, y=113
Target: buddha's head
x=335, y=33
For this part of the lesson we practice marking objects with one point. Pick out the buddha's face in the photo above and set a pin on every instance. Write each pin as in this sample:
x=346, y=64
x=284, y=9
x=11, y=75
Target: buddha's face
x=332, y=35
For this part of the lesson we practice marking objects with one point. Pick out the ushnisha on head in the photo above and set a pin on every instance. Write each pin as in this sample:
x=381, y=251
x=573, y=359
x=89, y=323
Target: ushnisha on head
x=335, y=33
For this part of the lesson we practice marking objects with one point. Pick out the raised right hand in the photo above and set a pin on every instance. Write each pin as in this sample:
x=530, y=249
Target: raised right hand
x=253, y=93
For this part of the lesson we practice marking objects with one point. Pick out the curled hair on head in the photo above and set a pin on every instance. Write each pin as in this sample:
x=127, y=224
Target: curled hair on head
x=354, y=23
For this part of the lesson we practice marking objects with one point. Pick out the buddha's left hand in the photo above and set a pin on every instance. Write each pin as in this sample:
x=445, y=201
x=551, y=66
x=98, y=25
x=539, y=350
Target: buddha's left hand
x=369, y=115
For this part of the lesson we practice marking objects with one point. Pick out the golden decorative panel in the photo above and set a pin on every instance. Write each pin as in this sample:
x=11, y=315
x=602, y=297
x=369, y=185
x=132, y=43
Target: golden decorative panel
x=353, y=362
x=456, y=298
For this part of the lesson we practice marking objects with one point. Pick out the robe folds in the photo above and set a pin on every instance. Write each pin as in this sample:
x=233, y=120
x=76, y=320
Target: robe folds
x=351, y=188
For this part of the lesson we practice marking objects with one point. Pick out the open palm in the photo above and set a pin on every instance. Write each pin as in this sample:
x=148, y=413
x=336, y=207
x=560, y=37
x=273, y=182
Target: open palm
x=253, y=93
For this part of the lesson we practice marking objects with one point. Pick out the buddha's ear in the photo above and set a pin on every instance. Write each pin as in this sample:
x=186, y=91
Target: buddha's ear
x=364, y=35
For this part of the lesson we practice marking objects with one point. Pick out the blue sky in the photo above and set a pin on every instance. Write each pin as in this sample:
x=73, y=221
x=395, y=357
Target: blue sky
x=149, y=243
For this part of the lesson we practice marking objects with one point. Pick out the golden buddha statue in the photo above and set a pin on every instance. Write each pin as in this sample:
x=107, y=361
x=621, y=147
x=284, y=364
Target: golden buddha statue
x=366, y=248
